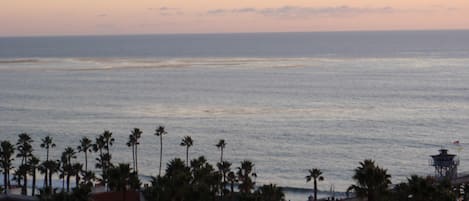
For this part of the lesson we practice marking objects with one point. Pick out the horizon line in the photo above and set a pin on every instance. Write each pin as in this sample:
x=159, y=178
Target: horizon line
x=225, y=33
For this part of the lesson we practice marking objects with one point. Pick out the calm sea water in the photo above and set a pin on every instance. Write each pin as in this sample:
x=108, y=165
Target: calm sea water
x=288, y=101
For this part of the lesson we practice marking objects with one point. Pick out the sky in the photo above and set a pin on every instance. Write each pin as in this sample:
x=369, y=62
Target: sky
x=104, y=17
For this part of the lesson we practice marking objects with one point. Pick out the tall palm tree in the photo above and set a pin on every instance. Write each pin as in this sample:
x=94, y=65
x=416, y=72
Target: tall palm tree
x=160, y=131
x=25, y=151
x=134, y=142
x=86, y=146
x=6, y=153
x=187, y=142
x=221, y=145
x=315, y=175
x=244, y=176
x=33, y=164
x=103, y=145
x=47, y=144
x=372, y=182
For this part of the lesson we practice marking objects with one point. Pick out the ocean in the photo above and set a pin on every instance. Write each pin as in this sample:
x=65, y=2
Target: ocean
x=288, y=102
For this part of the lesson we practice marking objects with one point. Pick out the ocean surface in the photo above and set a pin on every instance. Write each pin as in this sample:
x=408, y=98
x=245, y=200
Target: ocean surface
x=286, y=101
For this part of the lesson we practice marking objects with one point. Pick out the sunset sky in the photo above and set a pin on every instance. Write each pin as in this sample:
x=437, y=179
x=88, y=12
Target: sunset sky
x=96, y=17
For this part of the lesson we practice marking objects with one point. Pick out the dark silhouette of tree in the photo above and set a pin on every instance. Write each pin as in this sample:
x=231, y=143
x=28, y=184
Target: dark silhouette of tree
x=223, y=167
x=232, y=179
x=86, y=146
x=187, y=142
x=423, y=189
x=68, y=154
x=221, y=145
x=315, y=175
x=25, y=151
x=270, y=193
x=372, y=182
x=76, y=170
x=244, y=176
x=46, y=143
x=160, y=131
x=6, y=153
x=33, y=166
x=103, y=145
x=134, y=142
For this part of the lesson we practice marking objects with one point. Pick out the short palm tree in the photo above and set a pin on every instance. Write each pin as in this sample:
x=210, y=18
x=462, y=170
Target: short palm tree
x=6, y=157
x=231, y=177
x=33, y=165
x=160, y=131
x=244, y=176
x=315, y=175
x=68, y=154
x=221, y=145
x=187, y=142
x=270, y=193
x=372, y=182
x=86, y=146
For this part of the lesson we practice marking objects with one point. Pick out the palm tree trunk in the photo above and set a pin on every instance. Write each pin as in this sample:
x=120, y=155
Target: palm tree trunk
x=136, y=159
x=77, y=179
x=221, y=155
x=34, y=182
x=187, y=156
x=45, y=179
x=315, y=190
x=68, y=182
x=86, y=160
x=5, y=180
x=50, y=180
x=25, y=183
x=161, y=153
x=232, y=190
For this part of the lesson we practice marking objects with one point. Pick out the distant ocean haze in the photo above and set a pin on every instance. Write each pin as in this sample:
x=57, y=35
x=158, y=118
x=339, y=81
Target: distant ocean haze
x=288, y=101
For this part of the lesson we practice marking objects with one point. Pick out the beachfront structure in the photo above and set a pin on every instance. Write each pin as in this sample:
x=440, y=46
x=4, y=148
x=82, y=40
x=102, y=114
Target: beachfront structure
x=446, y=165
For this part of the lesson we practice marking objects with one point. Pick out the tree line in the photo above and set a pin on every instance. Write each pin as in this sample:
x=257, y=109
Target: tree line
x=184, y=180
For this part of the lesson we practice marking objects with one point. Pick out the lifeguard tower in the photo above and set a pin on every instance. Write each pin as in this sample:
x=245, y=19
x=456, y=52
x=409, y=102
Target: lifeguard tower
x=446, y=165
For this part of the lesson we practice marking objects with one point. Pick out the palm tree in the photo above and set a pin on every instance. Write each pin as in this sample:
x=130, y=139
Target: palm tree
x=47, y=144
x=52, y=167
x=160, y=131
x=244, y=176
x=133, y=142
x=6, y=153
x=85, y=146
x=33, y=165
x=187, y=142
x=221, y=145
x=224, y=167
x=25, y=151
x=232, y=179
x=270, y=193
x=103, y=145
x=77, y=168
x=315, y=175
x=69, y=154
x=119, y=177
x=372, y=182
